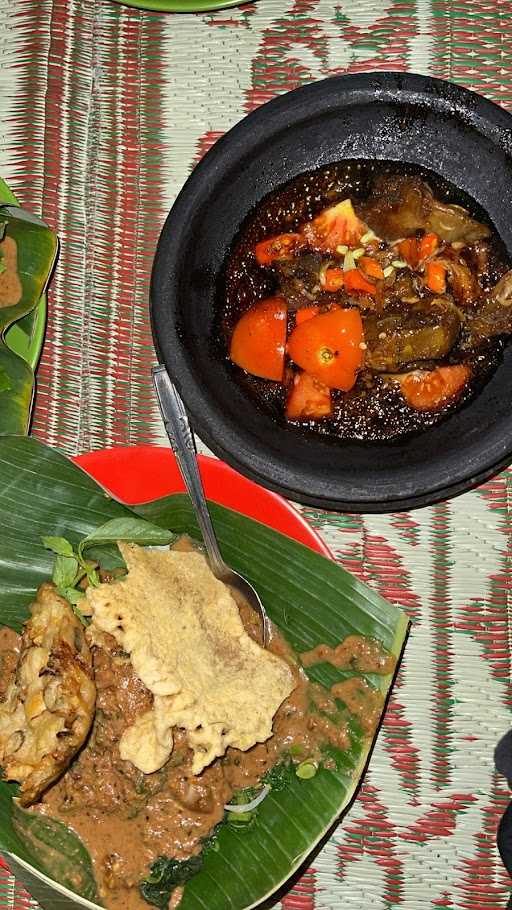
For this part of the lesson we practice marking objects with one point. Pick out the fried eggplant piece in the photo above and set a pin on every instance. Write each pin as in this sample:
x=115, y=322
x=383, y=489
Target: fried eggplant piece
x=478, y=255
x=424, y=332
x=49, y=705
x=299, y=279
x=493, y=317
x=400, y=205
x=401, y=289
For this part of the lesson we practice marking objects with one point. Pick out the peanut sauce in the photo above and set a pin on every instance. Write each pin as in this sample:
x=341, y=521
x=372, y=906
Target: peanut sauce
x=356, y=652
x=363, y=701
x=127, y=819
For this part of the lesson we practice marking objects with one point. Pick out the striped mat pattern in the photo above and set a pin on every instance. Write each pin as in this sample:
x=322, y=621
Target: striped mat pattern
x=103, y=112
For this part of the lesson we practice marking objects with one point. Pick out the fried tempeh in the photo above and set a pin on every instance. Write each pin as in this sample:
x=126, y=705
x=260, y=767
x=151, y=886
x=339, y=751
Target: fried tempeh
x=49, y=704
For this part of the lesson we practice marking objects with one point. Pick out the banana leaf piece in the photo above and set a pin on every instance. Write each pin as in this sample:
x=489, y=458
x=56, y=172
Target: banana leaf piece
x=25, y=337
x=36, y=252
x=310, y=598
x=61, y=854
x=16, y=392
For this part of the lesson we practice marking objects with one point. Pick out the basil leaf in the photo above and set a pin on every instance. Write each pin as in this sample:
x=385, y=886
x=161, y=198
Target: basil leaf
x=65, y=571
x=107, y=556
x=58, y=545
x=93, y=577
x=134, y=530
x=79, y=615
x=72, y=595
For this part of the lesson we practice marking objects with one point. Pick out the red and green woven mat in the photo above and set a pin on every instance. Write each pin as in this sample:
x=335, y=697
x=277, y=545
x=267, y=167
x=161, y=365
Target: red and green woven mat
x=104, y=111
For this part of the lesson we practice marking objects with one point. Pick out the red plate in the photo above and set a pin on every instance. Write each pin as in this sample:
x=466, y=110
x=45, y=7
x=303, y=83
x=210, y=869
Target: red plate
x=142, y=473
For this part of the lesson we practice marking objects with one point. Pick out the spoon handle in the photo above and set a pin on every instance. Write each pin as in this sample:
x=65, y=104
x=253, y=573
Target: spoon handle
x=178, y=429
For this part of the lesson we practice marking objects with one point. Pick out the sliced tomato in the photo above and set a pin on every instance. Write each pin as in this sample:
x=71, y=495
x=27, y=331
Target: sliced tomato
x=428, y=245
x=435, y=276
x=333, y=280
x=329, y=347
x=356, y=283
x=335, y=226
x=308, y=399
x=430, y=391
x=305, y=313
x=410, y=251
x=371, y=267
x=415, y=251
x=259, y=339
x=273, y=248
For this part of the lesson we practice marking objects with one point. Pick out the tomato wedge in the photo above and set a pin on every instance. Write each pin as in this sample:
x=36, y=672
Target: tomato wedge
x=415, y=251
x=428, y=245
x=371, y=267
x=333, y=280
x=305, y=313
x=435, y=276
x=259, y=339
x=430, y=391
x=355, y=282
x=308, y=399
x=329, y=347
x=335, y=226
x=273, y=248
x=409, y=250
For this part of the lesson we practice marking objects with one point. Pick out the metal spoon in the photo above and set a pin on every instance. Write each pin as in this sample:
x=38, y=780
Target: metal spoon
x=177, y=427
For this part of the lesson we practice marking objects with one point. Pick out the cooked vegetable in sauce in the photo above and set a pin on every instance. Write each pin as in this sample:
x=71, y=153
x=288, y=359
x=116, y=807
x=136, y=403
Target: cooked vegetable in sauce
x=10, y=284
x=364, y=302
x=147, y=833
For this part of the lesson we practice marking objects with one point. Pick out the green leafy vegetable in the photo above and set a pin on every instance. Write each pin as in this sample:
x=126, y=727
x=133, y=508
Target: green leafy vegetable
x=71, y=566
x=211, y=841
x=65, y=572
x=278, y=777
x=91, y=571
x=58, y=545
x=74, y=596
x=134, y=530
x=166, y=875
x=107, y=556
x=68, y=570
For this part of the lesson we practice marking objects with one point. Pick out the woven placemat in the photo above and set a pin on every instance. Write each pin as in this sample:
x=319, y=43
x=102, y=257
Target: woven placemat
x=104, y=111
